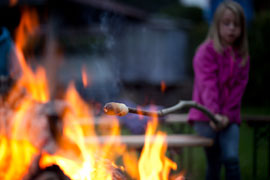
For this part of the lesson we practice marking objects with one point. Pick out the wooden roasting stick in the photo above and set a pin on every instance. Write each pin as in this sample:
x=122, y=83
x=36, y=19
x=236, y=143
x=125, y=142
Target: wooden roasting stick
x=120, y=109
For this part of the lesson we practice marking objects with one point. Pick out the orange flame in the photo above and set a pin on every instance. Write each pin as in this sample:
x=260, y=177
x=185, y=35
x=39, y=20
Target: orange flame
x=130, y=160
x=16, y=157
x=84, y=77
x=153, y=164
x=162, y=86
x=28, y=25
x=16, y=149
x=36, y=84
x=20, y=140
x=81, y=162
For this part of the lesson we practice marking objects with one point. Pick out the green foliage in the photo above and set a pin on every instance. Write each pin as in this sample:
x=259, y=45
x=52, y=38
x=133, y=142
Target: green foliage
x=258, y=88
x=176, y=10
x=198, y=29
x=197, y=35
x=149, y=5
x=253, y=110
x=82, y=43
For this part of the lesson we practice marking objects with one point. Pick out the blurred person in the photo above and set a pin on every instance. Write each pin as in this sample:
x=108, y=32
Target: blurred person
x=5, y=47
x=221, y=68
x=9, y=66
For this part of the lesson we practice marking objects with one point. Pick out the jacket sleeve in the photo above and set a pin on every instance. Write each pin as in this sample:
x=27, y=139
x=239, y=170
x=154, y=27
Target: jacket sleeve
x=205, y=66
x=236, y=91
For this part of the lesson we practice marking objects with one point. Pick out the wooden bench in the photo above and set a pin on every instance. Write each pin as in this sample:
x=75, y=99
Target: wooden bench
x=249, y=119
x=174, y=141
x=169, y=119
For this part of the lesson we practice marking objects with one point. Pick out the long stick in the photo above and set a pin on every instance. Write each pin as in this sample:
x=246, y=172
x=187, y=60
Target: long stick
x=121, y=109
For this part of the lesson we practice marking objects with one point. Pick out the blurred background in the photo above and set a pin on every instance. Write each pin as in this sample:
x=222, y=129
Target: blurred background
x=138, y=51
x=143, y=48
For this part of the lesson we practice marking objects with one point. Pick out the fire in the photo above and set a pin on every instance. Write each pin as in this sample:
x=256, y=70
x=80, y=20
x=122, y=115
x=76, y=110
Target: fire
x=162, y=86
x=17, y=151
x=84, y=161
x=16, y=157
x=153, y=163
x=20, y=137
x=28, y=25
x=85, y=78
x=13, y=2
x=24, y=131
x=36, y=84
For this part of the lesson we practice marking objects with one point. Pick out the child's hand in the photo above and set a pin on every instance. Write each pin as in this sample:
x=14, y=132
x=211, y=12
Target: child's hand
x=223, y=122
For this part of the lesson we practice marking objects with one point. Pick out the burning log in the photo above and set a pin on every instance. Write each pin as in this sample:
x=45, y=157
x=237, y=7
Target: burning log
x=55, y=173
x=51, y=172
x=118, y=174
x=121, y=109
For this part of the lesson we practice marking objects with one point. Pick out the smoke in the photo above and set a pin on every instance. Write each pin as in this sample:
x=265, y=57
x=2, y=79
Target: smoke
x=104, y=65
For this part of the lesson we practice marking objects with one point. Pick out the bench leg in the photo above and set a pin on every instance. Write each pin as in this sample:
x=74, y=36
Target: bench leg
x=268, y=153
x=255, y=144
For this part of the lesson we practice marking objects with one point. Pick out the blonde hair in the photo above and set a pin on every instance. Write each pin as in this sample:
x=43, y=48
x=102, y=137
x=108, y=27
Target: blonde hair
x=241, y=44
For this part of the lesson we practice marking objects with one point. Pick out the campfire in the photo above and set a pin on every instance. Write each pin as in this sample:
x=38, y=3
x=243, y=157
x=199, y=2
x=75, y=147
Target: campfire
x=41, y=137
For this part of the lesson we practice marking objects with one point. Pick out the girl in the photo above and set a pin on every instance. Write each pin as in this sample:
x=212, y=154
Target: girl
x=221, y=66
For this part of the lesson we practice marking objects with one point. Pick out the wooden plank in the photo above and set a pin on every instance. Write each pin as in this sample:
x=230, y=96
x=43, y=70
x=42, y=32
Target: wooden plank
x=179, y=118
x=171, y=140
x=183, y=118
x=176, y=118
x=256, y=118
x=108, y=120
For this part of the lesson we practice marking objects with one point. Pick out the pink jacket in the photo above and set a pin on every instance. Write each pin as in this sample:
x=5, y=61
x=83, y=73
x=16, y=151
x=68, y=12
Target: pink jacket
x=219, y=82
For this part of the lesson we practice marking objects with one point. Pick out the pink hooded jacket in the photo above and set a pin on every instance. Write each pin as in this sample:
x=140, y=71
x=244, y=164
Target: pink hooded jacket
x=219, y=83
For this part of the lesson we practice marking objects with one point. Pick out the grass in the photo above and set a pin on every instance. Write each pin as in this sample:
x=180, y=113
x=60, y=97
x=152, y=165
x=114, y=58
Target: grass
x=256, y=110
